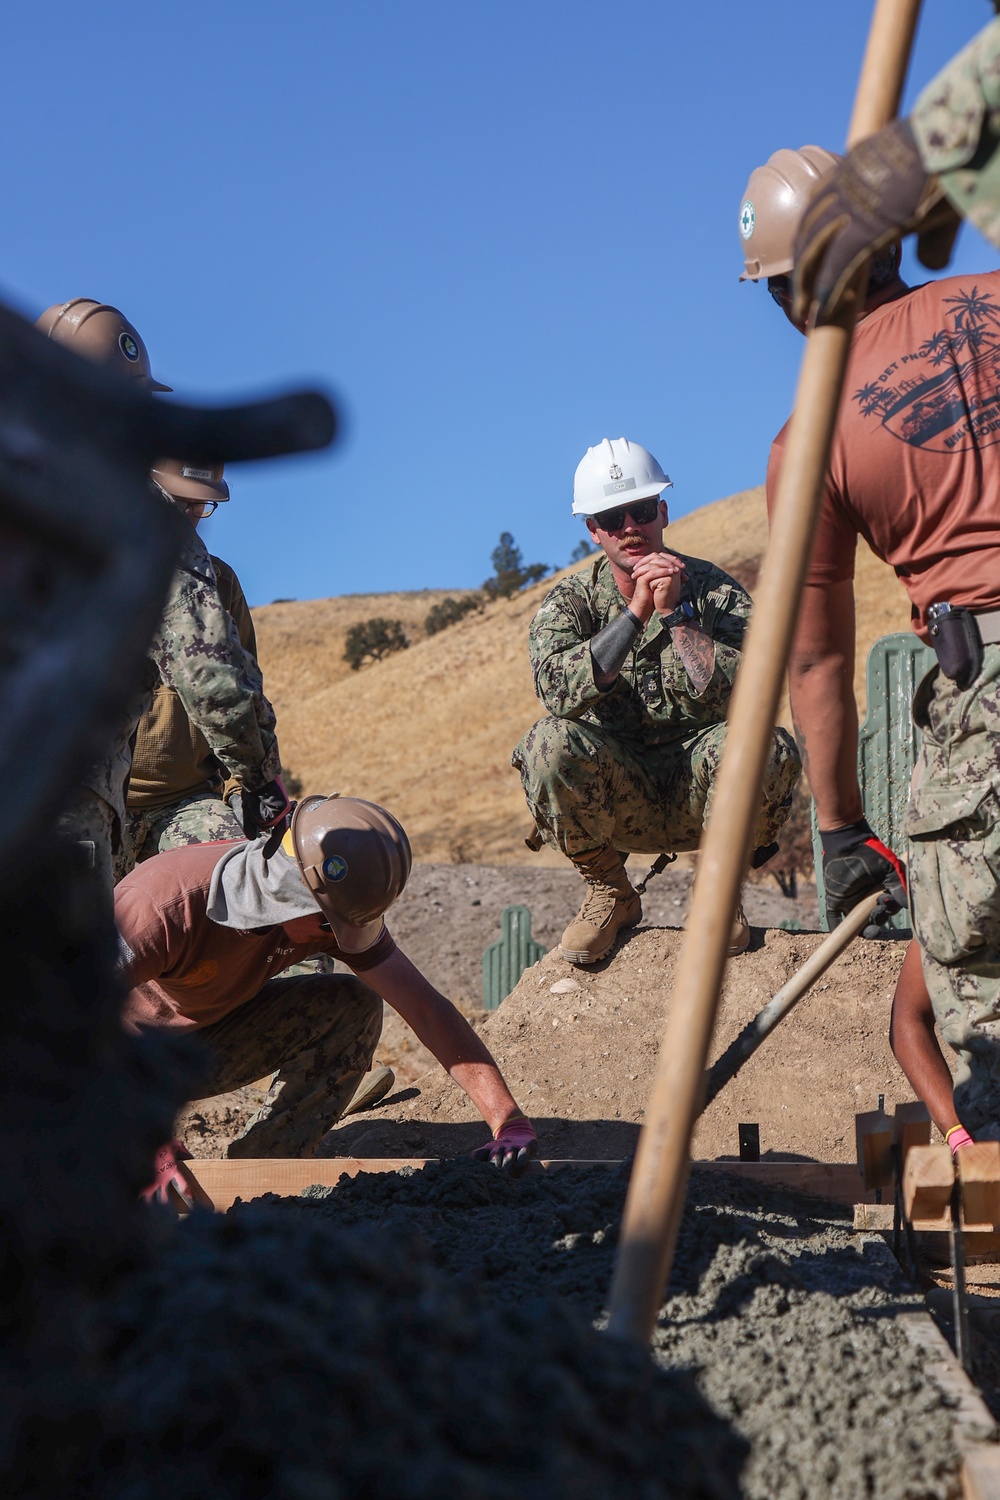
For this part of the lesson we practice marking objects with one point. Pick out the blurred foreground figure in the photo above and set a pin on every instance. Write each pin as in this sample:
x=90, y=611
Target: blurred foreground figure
x=915, y=470
x=195, y=649
x=86, y=557
x=920, y=175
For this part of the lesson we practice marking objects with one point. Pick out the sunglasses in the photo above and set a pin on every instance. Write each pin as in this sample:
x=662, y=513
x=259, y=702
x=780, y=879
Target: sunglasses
x=780, y=288
x=200, y=508
x=641, y=511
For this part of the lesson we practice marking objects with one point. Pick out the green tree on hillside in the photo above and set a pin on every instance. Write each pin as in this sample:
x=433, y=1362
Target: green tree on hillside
x=509, y=571
x=372, y=640
x=449, y=611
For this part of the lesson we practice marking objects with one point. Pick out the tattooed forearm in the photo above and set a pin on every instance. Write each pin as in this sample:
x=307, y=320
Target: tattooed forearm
x=696, y=650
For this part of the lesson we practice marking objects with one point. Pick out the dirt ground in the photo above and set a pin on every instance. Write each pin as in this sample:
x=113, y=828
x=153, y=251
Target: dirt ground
x=577, y=1047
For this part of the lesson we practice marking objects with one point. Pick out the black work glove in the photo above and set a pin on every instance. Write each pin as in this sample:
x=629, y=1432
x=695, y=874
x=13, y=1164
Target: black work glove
x=261, y=810
x=878, y=193
x=856, y=863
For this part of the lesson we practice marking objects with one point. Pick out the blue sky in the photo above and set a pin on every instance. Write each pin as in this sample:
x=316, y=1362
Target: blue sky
x=499, y=232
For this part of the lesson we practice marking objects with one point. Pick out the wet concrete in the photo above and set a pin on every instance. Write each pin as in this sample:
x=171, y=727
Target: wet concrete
x=778, y=1312
x=271, y=1354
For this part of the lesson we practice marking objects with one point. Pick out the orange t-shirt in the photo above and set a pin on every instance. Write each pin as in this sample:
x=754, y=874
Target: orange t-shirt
x=915, y=463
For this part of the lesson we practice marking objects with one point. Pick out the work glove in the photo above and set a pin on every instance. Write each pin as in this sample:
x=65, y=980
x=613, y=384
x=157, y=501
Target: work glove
x=513, y=1145
x=168, y=1175
x=878, y=193
x=259, y=811
x=957, y=1137
x=856, y=863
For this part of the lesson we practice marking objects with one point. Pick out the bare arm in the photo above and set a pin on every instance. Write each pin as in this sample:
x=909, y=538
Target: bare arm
x=825, y=715
x=446, y=1033
x=914, y=1045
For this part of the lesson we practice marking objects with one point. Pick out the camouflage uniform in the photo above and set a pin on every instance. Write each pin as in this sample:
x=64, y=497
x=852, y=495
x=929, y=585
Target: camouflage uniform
x=201, y=818
x=953, y=823
x=634, y=767
x=317, y=1035
x=90, y=822
x=197, y=651
x=956, y=121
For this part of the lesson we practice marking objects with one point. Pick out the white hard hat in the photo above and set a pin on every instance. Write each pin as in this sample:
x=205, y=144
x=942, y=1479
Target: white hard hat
x=613, y=473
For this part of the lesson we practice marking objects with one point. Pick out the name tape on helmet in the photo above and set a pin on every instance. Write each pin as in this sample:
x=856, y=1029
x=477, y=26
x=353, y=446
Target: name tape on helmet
x=188, y=473
x=618, y=486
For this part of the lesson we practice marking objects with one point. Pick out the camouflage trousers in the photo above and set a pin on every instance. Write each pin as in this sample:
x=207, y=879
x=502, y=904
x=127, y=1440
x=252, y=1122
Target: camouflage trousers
x=953, y=825
x=586, y=790
x=316, y=1035
x=90, y=821
x=199, y=819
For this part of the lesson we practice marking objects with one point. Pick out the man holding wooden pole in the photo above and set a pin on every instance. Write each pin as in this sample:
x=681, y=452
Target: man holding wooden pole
x=915, y=471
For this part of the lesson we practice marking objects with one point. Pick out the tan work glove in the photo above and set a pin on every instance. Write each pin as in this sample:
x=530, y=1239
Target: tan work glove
x=878, y=193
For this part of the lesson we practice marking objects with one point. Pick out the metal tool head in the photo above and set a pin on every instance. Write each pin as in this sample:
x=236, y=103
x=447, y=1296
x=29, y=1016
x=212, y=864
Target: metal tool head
x=86, y=552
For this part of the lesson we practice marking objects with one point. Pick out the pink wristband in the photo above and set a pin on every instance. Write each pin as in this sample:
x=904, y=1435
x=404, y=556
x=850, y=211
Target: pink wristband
x=957, y=1137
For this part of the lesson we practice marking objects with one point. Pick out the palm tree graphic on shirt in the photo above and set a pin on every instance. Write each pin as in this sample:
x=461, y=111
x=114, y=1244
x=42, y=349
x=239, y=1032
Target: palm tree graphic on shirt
x=945, y=396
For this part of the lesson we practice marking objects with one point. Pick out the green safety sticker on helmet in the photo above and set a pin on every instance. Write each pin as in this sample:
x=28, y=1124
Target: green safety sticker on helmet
x=129, y=347
x=748, y=219
x=334, y=868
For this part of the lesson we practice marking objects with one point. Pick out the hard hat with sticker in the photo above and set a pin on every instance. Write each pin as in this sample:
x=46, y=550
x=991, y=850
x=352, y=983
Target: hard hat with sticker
x=129, y=347
x=334, y=868
x=748, y=219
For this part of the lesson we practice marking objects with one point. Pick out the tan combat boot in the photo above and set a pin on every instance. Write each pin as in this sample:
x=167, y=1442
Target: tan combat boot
x=739, y=936
x=609, y=906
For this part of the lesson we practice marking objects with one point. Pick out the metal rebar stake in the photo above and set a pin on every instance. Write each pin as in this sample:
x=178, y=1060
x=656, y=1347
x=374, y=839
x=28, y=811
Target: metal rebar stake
x=963, y=1347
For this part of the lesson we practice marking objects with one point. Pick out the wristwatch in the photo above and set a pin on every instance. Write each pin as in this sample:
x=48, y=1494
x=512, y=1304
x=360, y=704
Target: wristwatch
x=682, y=615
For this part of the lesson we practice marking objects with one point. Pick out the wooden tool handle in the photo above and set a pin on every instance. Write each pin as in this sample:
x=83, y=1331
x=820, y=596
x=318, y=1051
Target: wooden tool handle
x=656, y=1192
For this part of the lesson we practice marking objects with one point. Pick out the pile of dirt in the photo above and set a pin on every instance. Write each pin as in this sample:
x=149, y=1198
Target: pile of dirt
x=272, y=1354
x=447, y=917
x=783, y=1317
x=429, y=732
x=577, y=1048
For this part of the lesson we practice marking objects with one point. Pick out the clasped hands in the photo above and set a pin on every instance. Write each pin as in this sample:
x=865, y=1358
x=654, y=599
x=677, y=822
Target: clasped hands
x=657, y=578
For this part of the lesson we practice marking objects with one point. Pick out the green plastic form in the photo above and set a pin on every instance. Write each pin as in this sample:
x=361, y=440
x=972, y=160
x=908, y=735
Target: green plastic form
x=506, y=960
x=887, y=748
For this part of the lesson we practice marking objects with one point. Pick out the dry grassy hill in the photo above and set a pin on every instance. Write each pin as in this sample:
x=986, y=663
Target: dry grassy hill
x=429, y=731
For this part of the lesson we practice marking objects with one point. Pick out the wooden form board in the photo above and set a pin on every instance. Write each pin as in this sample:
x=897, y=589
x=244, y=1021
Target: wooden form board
x=974, y=1427
x=217, y=1183
x=222, y=1180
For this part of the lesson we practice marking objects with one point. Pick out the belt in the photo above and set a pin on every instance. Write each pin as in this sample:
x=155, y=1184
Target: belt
x=989, y=626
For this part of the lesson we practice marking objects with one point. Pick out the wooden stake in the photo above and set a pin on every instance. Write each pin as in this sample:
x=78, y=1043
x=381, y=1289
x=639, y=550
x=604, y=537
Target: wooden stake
x=979, y=1173
x=873, y=1137
x=911, y=1127
x=656, y=1193
x=928, y=1179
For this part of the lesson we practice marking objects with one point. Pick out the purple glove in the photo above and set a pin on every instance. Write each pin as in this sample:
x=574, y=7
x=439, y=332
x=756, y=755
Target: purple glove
x=261, y=810
x=168, y=1175
x=513, y=1145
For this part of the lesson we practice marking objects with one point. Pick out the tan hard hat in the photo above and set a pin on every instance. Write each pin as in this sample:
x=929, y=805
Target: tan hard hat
x=355, y=858
x=775, y=200
x=191, y=481
x=100, y=333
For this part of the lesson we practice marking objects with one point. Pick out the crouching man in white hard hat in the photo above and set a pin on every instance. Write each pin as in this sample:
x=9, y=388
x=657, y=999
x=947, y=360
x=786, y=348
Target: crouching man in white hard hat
x=206, y=930
x=634, y=658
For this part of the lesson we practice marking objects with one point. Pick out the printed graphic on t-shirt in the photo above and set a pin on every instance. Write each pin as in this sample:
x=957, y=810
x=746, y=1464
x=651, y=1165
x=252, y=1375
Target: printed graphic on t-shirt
x=944, y=396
